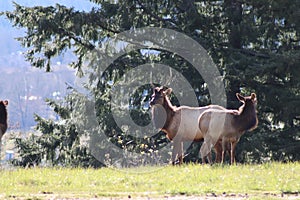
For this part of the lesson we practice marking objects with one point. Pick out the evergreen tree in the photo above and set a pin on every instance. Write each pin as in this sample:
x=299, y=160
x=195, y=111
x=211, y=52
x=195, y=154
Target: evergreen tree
x=255, y=45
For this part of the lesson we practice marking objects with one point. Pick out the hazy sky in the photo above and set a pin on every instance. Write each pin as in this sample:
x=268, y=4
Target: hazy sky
x=9, y=33
x=79, y=4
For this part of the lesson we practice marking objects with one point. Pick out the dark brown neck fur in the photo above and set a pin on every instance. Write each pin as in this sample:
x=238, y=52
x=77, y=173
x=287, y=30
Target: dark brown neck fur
x=163, y=114
x=170, y=112
x=247, y=119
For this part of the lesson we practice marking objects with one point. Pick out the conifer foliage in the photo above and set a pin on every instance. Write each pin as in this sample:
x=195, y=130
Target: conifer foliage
x=255, y=44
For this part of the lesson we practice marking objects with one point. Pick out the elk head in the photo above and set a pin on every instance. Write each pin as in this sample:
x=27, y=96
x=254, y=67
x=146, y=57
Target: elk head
x=249, y=100
x=159, y=95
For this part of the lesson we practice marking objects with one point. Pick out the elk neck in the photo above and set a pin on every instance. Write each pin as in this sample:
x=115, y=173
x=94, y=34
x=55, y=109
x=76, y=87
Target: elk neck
x=170, y=110
x=247, y=119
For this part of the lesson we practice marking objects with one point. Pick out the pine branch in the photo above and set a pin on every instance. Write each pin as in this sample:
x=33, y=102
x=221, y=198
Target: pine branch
x=77, y=39
x=147, y=11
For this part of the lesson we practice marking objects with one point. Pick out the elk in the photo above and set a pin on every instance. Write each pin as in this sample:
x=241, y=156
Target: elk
x=227, y=126
x=3, y=120
x=179, y=123
x=229, y=145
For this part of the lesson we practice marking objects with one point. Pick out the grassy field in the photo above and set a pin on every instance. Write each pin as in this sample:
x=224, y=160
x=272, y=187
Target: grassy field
x=254, y=181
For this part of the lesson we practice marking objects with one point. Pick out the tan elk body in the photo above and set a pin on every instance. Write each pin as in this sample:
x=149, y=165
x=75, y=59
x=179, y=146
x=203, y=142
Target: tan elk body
x=179, y=123
x=227, y=126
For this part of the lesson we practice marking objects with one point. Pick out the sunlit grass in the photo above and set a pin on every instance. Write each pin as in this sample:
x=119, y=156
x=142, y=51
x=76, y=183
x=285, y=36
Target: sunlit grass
x=191, y=179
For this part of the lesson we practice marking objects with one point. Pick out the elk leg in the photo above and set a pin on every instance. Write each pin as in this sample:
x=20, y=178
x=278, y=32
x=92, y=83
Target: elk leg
x=218, y=150
x=223, y=149
x=180, y=153
x=205, y=150
x=223, y=155
x=174, y=154
x=176, y=150
x=203, y=159
x=209, y=158
x=232, y=152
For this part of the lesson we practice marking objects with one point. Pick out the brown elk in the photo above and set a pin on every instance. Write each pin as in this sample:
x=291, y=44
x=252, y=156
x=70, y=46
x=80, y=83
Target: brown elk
x=229, y=148
x=3, y=120
x=227, y=126
x=179, y=123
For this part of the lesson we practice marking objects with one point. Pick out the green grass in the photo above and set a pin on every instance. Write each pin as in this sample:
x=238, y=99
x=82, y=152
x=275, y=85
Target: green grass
x=191, y=179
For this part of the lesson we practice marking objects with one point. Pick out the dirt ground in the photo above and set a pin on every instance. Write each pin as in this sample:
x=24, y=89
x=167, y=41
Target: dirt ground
x=210, y=196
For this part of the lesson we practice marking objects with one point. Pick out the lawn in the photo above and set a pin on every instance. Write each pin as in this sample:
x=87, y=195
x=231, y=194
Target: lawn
x=268, y=179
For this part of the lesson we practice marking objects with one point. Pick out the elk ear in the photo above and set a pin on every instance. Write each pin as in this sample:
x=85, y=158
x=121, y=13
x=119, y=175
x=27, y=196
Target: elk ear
x=168, y=91
x=155, y=89
x=253, y=96
x=240, y=97
x=164, y=88
x=5, y=102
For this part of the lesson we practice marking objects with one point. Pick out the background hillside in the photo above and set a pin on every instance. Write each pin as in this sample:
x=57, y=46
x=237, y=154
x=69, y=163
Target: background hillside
x=25, y=87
